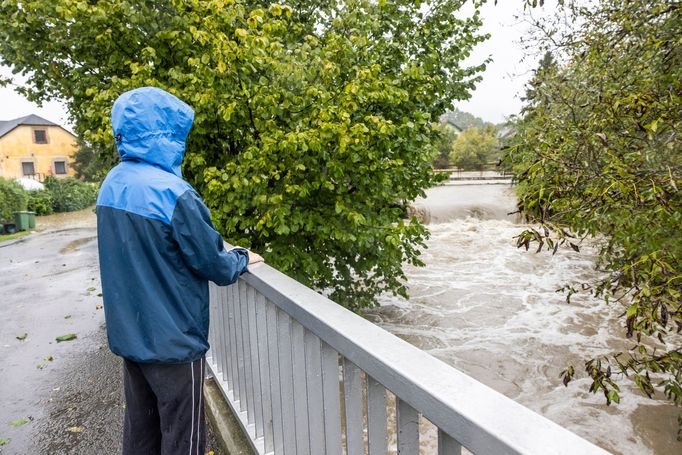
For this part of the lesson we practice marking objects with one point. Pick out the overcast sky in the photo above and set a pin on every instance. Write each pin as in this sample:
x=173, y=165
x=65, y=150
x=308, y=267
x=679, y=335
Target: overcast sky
x=495, y=98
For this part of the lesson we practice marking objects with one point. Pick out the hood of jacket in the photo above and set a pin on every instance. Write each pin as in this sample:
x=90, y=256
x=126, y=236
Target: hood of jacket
x=151, y=125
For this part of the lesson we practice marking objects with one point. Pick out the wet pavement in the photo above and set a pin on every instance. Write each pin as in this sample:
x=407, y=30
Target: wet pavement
x=56, y=397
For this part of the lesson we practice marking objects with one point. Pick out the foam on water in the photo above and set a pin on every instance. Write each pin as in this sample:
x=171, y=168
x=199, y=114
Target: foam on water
x=492, y=311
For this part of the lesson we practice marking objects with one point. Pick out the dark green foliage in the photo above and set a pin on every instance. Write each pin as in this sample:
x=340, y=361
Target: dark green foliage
x=599, y=154
x=313, y=118
x=40, y=202
x=92, y=164
x=69, y=194
x=443, y=145
x=12, y=199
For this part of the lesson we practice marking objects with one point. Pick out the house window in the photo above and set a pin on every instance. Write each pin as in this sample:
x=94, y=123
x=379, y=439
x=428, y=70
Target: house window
x=60, y=167
x=40, y=136
x=27, y=168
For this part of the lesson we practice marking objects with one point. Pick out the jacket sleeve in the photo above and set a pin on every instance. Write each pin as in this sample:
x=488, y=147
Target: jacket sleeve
x=201, y=246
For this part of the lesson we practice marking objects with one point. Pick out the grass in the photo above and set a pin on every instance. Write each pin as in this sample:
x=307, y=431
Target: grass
x=13, y=236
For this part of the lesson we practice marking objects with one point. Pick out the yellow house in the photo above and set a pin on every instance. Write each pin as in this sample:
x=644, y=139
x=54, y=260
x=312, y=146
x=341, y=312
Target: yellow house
x=35, y=148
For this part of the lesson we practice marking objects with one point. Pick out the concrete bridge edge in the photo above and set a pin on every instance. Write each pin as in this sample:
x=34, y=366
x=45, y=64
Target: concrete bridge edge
x=226, y=429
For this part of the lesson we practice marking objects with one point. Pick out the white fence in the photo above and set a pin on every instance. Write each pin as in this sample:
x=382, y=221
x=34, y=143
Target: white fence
x=306, y=376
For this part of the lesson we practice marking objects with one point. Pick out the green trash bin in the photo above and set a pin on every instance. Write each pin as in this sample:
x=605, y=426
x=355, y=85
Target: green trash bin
x=25, y=220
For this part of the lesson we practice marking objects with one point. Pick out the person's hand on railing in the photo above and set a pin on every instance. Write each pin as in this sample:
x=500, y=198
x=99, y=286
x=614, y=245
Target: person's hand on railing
x=255, y=258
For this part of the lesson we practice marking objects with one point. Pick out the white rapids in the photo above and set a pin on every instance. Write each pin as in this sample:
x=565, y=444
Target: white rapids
x=493, y=311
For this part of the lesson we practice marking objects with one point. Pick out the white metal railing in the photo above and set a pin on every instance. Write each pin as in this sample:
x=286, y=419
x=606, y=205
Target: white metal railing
x=306, y=376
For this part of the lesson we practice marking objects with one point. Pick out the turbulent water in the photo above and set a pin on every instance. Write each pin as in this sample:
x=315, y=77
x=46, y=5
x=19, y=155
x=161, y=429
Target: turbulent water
x=492, y=311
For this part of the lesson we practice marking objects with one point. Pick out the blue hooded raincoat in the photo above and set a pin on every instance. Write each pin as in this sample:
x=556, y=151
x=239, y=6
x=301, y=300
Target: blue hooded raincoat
x=157, y=246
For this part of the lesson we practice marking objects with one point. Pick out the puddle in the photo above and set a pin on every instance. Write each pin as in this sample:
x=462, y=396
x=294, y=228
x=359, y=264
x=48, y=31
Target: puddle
x=74, y=245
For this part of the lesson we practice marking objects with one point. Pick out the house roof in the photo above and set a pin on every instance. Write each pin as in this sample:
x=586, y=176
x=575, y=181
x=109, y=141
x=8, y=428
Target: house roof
x=34, y=120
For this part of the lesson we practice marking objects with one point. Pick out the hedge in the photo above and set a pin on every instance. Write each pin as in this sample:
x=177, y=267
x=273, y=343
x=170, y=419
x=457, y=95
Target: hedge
x=59, y=195
x=40, y=201
x=69, y=194
x=13, y=198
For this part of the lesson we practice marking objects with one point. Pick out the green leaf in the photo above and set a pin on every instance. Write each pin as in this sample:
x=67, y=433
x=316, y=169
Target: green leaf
x=18, y=422
x=612, y=396
x=67, y=337
x=22, y=337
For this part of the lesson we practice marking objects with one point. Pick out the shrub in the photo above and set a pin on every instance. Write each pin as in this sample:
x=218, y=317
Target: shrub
x=12, y=199
x=69, y=194
x=40, y=201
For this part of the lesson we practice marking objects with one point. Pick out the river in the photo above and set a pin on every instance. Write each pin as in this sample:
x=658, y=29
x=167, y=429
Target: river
x=492, y=311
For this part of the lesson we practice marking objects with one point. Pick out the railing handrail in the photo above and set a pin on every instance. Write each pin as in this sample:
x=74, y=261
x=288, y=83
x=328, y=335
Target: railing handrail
x=478, y=417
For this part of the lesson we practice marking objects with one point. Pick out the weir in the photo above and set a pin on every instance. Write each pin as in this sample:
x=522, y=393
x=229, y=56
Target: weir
x=303, y=375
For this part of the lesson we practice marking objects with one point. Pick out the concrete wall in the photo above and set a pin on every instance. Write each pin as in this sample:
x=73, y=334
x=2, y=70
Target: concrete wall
x=19, y=146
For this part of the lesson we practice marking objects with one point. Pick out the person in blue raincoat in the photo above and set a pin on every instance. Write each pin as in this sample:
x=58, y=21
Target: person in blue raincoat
x=158, y=250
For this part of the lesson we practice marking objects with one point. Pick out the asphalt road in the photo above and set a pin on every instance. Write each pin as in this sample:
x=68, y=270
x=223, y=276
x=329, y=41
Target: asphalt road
x=56, y=397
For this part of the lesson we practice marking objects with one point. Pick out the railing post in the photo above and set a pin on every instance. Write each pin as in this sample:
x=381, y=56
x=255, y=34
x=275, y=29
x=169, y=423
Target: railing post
x=313, y=368
x=245, y=347
x=275, y=385
x=352, y=396
x=447, y=445
x=255, y=362
x=300, y=389
x=376, y=417
x=407, y=420
x=234, y=372
x=264, y=359
x=332, y=403
x=286, y=381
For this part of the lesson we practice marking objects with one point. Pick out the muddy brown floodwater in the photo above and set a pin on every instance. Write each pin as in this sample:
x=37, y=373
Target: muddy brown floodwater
x=492, y=311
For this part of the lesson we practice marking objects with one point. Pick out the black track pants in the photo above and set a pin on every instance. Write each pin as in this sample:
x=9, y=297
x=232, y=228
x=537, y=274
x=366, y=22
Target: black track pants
x=164, y=409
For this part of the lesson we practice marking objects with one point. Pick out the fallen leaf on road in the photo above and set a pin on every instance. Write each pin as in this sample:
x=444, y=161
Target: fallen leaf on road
x=22, y=337
x=56, y=389
x=49, y=358
x=98, y=306
x=91, y=289
x=4, y=442
x=18, y=422
x=68, y=316
x=99, y=295
x=40, y=366
x=75, y=429
x=67, y=337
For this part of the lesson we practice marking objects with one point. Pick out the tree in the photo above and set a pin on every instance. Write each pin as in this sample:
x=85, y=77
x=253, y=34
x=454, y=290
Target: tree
x=313, y=118
x=443, y=145
x=474, y=148
x=91, y=164
x=598, y=155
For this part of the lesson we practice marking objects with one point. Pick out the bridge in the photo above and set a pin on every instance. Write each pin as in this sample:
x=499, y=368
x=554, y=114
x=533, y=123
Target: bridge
x=483, y=177
x=303, y=375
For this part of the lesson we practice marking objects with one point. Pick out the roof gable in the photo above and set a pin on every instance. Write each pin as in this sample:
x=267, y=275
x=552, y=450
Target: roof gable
x=34, y=120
